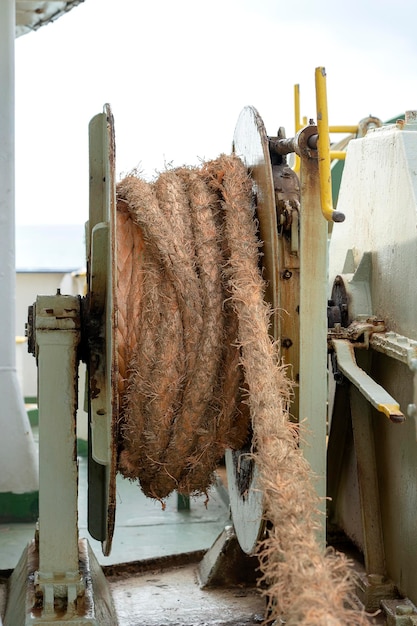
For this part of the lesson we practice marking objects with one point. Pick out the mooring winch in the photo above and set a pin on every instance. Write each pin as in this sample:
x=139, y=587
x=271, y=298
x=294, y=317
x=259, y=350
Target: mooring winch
x=272, y=279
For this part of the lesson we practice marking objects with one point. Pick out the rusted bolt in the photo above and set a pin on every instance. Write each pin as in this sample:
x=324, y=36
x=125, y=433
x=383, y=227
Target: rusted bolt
x=286, y=274
x=286, y=343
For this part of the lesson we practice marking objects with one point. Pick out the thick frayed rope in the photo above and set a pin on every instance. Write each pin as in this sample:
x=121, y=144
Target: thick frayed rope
x=202, y=321
x=179, y=402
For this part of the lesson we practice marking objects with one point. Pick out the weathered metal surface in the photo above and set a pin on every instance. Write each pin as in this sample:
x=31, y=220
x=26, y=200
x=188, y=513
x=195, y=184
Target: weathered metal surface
x=226, y=565
x=313, y=324
x=58, y=332
x=374, y=393
x=101, y=326
x=94, y=607
x=33, y=14
x=161, y=596
x=276, y=194
x=378, y=195
x=250, y=143
x=363, y=438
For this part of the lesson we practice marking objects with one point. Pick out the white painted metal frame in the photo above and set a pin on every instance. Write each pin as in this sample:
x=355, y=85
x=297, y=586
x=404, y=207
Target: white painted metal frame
x=313, y=329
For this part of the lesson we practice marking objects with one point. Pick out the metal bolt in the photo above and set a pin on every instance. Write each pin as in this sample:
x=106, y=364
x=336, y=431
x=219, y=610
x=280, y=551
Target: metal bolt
x=286, y=274
x=403, y=609
x=286, y=343
x=412, y=410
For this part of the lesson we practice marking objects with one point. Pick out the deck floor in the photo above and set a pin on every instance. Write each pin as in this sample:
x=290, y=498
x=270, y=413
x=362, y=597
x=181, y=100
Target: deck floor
x=167, y=592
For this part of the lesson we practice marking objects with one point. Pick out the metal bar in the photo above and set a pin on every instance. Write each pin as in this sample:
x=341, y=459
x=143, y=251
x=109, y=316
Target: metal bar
x=283, y=146
x=374, y=393
x=324, y=149
x=338, y=154
x=313, y=328
x=363, y=437
x=297, y=120
x=19, y=467
x=344, y=129
x=57, y=336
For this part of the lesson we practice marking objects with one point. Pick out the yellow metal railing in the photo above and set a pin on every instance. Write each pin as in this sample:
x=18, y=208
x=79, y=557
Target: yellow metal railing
x=323, y=146
x=325, y=154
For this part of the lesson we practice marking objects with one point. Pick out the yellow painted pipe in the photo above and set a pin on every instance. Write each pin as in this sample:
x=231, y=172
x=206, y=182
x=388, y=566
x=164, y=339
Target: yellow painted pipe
x=297, y=122
x=338, y=154
x=323, y=147
x=344, y=129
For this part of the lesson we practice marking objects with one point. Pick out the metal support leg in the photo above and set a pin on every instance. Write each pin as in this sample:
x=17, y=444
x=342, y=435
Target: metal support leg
x=57, y=338
x=313, y=329
x=58, y=578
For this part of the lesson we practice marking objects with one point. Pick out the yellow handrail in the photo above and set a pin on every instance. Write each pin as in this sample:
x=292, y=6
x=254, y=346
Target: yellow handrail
x=338, y=154
x=323, y=146
x=344, y=129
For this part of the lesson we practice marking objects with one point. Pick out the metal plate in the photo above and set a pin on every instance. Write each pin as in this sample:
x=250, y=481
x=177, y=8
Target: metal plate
x=101, y=323
x=250, y=143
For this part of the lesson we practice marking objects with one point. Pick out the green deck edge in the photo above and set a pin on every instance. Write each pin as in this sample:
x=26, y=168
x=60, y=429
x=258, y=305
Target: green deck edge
x=19, y=507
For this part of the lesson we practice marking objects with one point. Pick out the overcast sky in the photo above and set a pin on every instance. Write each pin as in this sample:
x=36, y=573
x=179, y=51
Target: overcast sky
x=177, y=74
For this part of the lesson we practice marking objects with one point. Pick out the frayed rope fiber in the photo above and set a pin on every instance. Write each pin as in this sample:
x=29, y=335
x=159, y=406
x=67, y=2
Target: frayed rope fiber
x=199, y=373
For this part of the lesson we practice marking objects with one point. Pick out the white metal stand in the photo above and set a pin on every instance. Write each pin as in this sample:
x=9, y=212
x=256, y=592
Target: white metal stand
x=58, y=578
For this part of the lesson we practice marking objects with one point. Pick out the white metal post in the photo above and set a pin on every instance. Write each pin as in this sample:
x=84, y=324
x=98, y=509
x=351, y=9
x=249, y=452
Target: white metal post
x=57, y=324
x=313, y=330
x=18, y=462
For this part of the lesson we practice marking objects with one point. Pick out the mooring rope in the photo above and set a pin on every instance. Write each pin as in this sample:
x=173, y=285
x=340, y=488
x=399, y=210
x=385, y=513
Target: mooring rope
x=199, y=373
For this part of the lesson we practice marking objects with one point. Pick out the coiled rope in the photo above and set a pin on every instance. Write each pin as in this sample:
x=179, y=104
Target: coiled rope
x=200, y=373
